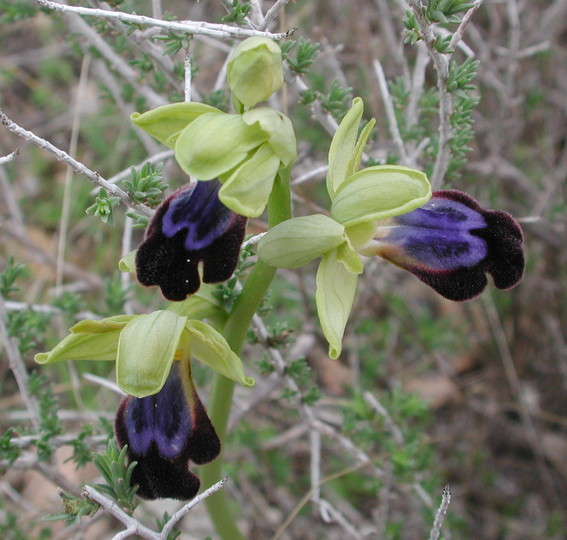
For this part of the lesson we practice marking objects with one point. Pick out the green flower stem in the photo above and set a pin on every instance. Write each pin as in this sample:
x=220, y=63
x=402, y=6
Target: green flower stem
x=235, y=330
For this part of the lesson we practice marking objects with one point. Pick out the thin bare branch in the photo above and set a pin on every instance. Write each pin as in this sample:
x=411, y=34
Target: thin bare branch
x=74, y=164
x=222, y=31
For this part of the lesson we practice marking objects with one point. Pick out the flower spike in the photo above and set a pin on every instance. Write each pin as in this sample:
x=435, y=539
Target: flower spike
x=163, y=433
x=191, y=226
x=450, y=243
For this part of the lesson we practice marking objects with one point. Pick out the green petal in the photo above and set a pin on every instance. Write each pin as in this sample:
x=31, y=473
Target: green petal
x=300, y=240
x=247, y=188
x=216, y=143
x=83, y=347
x=279, y=130
x=210, y=347
x=336, y=288
x=167, y=122
x=348, y=256
x=94, y=326
x=146, y=351
x=360, y=145
x=128, y=262
x=380, y=192
x=342, y=149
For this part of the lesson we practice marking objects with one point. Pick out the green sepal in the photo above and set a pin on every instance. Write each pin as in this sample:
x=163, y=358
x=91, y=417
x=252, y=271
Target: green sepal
x=80, y=346
x=246, y=189
x=101, y=326
x=146, y=350
x=380, y=192
x=128, y=262
x=216, y=143
x=336, y=289
x=342, y=149
x=278, y=129
x=209, y=347
x=298, y=241
x=165, y=123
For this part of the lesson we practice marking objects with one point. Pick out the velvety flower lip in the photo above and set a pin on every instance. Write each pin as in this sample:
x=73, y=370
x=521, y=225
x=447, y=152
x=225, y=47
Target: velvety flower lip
x=451, y=243
x=190, y=226
x=163, y=433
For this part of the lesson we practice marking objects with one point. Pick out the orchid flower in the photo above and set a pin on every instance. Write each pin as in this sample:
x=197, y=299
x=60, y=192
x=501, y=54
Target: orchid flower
x=189, y=227
x=164, y=432
x=445, y=238
x=245, y=152
x=145, y=348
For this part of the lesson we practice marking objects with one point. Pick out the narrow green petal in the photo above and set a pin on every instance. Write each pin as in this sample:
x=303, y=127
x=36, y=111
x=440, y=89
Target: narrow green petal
x=360, y=145
x=380, y=192
x=300, y=240
x=210, y=347
x=83, y=347
x=279, y=130
x=336, y=288
x=94, y=326
x=167, y=122
x=342, y=149
x=146, y=351
x=348, y=256
x=216, y=143
x=128, y=262
x=247, y=188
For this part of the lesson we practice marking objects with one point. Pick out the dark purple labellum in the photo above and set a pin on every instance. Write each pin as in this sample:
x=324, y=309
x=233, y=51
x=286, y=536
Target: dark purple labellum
x=163, y=433
x=189, y=227
x=451, y=242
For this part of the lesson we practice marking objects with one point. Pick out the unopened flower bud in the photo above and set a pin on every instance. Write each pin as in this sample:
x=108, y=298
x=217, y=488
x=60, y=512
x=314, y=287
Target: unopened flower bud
x=254, y=72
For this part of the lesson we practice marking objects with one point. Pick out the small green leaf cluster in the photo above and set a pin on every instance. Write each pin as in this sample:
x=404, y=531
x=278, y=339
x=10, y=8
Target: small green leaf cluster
x=338, y=100
x=17, y=526
x=305, y=54
x=145, y=186
x=12, y=272
x=49, y=422
x=82, y=453
x=446, y=11
x=9, y=451
x=117, y=473
x=103, y=207
x=464, y=104
x=229, y=291
x=115, y=295
x=411, y=459
x=173, y=42
x=435, y=11
x=16, y=10
x=27, y=327
x=237, y=13
x=75, y=508
x=218, y=99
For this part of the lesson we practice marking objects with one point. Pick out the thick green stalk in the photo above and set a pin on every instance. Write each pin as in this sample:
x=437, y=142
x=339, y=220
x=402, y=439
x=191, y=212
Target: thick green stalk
x=235, y=330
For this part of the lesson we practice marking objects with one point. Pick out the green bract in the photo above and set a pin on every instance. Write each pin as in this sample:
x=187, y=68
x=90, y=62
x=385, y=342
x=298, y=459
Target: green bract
x=254, y=72
x=245, y=151
x=358, y=200
x=145, y=346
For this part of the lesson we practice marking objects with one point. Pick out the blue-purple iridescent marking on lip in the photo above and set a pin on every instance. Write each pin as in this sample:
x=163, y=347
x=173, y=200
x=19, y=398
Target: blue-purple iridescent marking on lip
x=189, y=227
x=163, y=433
x=451, y=242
